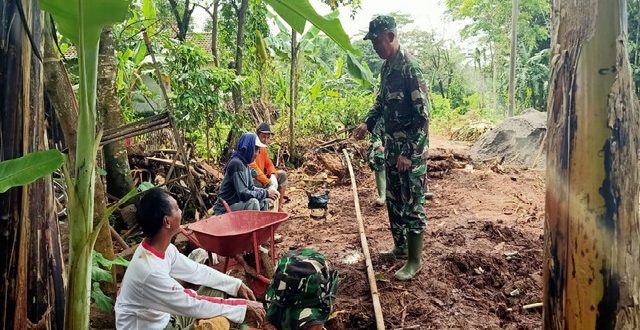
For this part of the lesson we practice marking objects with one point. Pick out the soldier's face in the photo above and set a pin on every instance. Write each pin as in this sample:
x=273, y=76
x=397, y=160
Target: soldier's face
x=383, y=45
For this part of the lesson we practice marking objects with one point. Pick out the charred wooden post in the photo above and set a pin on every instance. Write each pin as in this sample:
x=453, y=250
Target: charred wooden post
x=592, y=251
x=32, y=285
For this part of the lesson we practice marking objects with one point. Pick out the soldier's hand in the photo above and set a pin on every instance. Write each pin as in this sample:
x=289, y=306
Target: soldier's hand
x=255, y=312
x=360, y=131
x=380, y=148
x=403, y=163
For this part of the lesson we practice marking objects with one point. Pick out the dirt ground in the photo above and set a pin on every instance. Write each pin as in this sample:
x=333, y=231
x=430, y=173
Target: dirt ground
x=482, y=252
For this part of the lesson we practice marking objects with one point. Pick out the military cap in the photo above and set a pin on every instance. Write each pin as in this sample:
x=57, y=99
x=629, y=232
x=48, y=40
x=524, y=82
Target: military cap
x=380, y=24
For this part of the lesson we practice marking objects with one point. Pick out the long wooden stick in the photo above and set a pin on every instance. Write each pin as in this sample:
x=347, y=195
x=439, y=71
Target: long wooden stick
x=375, y=295
x=118, y=238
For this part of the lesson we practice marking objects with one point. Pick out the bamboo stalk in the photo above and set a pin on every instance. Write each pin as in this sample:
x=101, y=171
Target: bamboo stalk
x=375, y=295
x=155, y=121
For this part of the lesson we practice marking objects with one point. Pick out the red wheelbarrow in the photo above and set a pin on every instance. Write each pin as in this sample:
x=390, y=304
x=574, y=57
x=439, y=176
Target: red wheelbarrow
x=234, y=233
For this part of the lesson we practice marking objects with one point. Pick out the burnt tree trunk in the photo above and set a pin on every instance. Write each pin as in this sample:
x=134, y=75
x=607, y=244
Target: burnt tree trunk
x=119, y=181
x=32, y=283
x=592, y=254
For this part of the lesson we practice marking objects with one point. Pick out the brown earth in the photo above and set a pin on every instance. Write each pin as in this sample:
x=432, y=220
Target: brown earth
x=482, y=253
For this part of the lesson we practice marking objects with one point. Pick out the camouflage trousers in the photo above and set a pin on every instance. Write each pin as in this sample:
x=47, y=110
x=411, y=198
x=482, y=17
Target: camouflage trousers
x=376, y=159
x=405, y=195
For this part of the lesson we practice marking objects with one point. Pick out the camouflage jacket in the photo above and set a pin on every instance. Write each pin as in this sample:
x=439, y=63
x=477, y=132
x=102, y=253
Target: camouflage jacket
x=402, y=104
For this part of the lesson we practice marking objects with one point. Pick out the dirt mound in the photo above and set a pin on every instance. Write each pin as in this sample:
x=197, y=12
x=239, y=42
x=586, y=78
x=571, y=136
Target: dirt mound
x=516, y=141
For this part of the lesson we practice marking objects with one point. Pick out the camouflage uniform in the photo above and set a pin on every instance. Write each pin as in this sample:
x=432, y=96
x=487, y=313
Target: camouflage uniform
x=376, y=157
x=403, y=106
x=302, y=291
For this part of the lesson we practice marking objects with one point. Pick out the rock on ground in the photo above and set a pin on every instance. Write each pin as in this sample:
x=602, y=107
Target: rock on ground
x=517, y=141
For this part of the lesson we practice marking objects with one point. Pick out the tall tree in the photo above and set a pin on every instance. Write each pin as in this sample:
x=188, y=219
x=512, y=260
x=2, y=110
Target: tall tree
x=182, y=12
x=512, y=61
x=592, y=267
x=293, y=90
x=241, y=13
x=32, y=285
x=488, y=22
x=213, y=11
x=119, y=181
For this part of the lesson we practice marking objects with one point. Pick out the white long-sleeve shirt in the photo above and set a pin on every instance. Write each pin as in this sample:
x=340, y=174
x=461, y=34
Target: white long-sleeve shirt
x=149, y=293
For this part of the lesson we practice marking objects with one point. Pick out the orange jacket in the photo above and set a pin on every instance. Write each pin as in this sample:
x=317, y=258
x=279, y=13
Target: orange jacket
x=263, y=167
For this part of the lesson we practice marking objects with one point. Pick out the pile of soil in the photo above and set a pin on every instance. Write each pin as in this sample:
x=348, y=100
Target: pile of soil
x=516, y=141
x=482, y=252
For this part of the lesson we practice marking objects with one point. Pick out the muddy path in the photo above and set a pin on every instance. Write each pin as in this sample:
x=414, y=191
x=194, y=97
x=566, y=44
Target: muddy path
x=482, y=253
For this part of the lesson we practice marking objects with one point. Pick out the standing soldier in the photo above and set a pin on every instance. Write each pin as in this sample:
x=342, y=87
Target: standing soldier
x=403, y=106
x=376, y=162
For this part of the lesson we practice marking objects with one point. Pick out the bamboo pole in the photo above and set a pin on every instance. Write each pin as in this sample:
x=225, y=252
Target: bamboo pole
x=375, y=295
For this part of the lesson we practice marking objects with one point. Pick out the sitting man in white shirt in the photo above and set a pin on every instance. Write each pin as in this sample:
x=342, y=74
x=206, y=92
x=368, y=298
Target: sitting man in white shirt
x=150, y=294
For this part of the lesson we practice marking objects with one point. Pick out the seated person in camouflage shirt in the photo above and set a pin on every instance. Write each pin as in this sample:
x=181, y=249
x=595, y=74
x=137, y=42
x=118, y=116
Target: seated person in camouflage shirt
x=237, y=188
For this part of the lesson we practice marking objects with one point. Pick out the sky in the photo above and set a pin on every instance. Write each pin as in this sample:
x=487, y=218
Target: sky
x=429, y=15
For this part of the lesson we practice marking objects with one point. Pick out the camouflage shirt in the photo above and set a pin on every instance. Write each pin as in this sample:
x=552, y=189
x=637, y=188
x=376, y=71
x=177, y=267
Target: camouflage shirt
x=402, y=104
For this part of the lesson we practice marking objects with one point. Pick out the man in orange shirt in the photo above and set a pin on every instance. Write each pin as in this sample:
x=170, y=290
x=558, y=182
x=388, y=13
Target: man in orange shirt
x=267, y=176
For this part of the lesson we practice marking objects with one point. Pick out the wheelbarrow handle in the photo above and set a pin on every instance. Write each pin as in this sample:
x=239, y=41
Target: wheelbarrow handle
x=189, y=234
x=226, y=206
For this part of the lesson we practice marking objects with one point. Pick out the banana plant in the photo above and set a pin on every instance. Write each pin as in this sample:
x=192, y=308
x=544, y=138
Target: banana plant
x=298, y=13
x=26, y=169
x=82, y=22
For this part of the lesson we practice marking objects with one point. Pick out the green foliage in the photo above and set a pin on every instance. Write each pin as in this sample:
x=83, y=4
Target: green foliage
x=359, y=71
x=197, y=88
x=26, y=169
x=149, y=13
x=488, y=23
x=445, y=119
x=298, y=13
x=331, y=107
x=100, y=267
x=633, y=18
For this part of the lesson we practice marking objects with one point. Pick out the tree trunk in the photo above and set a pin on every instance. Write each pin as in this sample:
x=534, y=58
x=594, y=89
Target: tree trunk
x=214, y=33
x=119, y=181
x=32, y=284
x=182, y=19
x=515, y=8
x=592, y=255
x=494, y=76
x=237, y=90
x=292, y=89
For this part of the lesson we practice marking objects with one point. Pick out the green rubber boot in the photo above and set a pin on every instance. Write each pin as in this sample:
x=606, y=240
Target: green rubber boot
x=381, y=184
x=414, y=261
x=397, y=252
